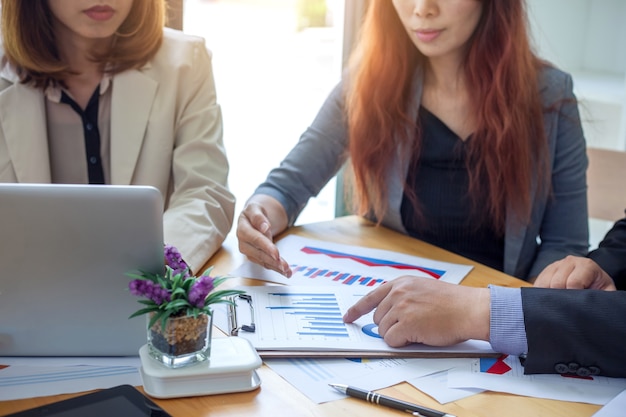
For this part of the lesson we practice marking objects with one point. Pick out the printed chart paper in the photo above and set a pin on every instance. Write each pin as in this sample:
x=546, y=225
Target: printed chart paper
x=311, y=318
x=506, y=374
x=311, y=376
x=19, y=381
x=316, y=262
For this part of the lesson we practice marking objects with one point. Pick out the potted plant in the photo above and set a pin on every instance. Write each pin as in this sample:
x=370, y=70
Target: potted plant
x=179, y=309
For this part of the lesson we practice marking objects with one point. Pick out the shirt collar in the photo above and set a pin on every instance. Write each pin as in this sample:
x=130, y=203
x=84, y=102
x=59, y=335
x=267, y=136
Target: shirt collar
x=53, y=93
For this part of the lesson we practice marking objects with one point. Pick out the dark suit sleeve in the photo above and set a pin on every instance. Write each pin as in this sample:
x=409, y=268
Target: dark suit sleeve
x=584, y=328
x=611, y=254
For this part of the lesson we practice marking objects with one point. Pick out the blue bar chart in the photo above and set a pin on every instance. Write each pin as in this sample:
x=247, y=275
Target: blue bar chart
x=306, y=316
x=310, y=318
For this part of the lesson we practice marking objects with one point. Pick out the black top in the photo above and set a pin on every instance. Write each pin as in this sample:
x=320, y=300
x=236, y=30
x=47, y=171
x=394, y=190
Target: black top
x=611, y=254
x=89, y=117
x=448, y=218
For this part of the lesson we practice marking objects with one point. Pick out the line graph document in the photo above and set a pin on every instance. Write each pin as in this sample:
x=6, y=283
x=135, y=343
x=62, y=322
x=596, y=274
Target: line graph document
x=316, y=262
x=312, y=375
x=310, y=318
x=42, y=377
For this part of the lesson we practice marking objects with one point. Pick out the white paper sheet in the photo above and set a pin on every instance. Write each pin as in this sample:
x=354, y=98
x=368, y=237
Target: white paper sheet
x=436, y=385
x=18, y=381
x=614, y=408
x=316, y=262
x=310, y=318
x=312, y=376
x=506, y=374
x=69, y=361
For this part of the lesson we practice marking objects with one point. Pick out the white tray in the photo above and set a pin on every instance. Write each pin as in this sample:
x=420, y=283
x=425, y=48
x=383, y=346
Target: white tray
x=231, y=368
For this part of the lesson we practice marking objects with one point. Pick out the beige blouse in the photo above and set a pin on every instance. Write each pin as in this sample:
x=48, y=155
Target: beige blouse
x=66, y=140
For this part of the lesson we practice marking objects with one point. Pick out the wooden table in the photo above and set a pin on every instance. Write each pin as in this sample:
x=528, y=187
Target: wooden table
x=276, y=397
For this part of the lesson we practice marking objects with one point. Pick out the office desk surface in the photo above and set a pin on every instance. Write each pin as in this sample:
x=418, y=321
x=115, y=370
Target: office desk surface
x=276, y=397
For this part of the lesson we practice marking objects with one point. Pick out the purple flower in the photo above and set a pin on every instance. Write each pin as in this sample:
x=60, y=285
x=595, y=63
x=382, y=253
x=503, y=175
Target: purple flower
x=150, y=290
x=174, y=260
x=199, y=290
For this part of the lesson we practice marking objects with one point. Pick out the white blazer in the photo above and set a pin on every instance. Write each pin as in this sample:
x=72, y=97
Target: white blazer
x=166, y=131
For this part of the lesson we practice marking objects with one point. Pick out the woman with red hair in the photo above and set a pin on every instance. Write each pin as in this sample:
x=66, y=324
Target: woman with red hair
x=455, y=133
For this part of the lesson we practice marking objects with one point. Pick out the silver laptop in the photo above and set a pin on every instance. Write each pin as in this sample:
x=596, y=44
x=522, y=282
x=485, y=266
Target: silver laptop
x=64, y=254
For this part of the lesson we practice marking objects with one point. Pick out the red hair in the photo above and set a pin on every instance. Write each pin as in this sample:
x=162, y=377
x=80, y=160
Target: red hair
x=502, y=77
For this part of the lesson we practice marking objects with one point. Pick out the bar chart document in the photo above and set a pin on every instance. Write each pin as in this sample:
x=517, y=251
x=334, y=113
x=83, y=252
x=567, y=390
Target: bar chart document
x=315, y=262
x=295, y=318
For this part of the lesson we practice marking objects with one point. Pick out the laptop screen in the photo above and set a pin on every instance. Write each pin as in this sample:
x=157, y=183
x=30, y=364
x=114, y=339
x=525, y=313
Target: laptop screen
x=65, y=252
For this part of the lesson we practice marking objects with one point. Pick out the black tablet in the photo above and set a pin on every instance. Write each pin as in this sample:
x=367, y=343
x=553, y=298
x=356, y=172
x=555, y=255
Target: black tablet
x=120, y=401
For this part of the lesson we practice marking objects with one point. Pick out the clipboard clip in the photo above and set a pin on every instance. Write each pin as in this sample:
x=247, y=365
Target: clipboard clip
x=233, y=326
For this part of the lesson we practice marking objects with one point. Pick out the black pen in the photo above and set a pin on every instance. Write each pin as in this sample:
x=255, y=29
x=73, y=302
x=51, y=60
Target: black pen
x=375, y=398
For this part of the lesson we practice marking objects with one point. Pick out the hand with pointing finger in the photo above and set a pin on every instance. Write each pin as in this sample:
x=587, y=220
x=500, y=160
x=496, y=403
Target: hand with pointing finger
x=413, y=309
x=262, y=218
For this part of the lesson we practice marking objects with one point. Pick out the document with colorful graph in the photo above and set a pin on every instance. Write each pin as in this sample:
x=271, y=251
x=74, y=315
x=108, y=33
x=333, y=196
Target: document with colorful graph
x=299, y=318
x=316, y=262
x=506, y=374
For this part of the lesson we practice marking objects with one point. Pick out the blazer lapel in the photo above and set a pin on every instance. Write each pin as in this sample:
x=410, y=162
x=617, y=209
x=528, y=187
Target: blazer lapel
x=23, y=121
x=131, y=103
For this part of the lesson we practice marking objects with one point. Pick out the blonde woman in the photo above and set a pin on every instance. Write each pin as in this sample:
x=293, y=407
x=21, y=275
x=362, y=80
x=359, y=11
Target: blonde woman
x=99, y=92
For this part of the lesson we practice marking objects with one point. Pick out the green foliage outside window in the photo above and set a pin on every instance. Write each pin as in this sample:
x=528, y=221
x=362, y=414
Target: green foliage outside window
x=312, y=13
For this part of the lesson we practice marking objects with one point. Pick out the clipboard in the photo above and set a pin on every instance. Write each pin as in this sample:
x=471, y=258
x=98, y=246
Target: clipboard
x=233, y=318
x=277, y=354
x=246, y=318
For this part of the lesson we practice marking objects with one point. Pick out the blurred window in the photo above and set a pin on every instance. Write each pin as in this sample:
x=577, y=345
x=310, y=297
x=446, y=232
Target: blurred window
x=275, y=61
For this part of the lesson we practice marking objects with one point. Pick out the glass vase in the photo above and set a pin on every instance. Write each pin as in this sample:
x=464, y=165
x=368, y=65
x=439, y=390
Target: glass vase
x=185, y=340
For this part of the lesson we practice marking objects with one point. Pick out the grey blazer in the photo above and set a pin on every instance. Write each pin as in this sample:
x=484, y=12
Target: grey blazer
x=558, y=224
